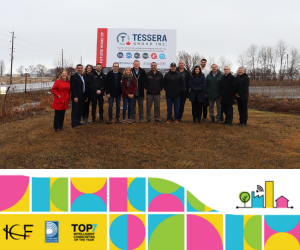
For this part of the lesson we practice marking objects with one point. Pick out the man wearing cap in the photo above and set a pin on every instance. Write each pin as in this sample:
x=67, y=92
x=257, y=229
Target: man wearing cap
x=174, y=85
x=185, y=92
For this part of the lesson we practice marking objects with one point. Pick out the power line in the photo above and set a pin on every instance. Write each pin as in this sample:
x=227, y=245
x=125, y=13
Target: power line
x=5, y=30
x=34, y=50
x=4, y=35
x=35, y=44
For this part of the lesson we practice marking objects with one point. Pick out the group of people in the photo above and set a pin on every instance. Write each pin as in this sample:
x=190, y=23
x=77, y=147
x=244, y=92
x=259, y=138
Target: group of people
x=204, y=87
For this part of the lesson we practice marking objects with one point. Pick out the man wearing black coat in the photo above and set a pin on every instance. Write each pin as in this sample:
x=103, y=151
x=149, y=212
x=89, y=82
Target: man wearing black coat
x=139, y=75
x=227, y=92
x=113, y=91
x=173, y=85
x=242, y=95
x=97, y=89
x=153, y=85
x=78, y=95
x=185, y=92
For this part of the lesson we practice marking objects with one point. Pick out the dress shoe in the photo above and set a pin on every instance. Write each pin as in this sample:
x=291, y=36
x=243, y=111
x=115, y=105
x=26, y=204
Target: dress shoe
x=158, y=120
x=61, y=129
x=57, y=130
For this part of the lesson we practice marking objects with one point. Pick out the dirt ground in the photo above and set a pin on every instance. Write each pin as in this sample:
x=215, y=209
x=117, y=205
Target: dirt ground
x=270, y=140
x=15, y=80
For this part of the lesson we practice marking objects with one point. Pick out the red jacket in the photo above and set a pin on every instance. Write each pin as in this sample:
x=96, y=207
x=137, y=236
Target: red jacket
x=62, y=88
x=130, y=90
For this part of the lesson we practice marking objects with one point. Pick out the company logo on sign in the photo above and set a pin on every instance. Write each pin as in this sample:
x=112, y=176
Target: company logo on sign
x=123, y=39
x=120, y=55
x=84, y=232
x=137, y=55
x=162, y=56
x=153, y=56
x=16, y=236
x=51, y=231
x=145, y=56
x=128, y=55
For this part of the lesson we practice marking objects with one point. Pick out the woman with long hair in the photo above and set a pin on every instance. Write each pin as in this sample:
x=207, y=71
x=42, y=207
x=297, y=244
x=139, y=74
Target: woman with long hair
x=197, y=93
x=86, y=105
x=129, y=87
x=61, y=92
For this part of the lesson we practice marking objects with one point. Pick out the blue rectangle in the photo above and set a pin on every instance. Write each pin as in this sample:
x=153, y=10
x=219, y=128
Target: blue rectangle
x=51, y=232
x=234, y=232
x=40, y=194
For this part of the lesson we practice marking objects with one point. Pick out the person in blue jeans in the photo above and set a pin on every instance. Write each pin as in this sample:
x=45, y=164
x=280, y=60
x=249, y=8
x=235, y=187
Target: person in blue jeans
x=129, y=87
x=173, y=84
x=113, y=92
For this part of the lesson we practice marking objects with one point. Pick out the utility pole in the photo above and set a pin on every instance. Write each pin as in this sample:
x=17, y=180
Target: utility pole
x=81, y=60
x=12, y=56
x=62, y=58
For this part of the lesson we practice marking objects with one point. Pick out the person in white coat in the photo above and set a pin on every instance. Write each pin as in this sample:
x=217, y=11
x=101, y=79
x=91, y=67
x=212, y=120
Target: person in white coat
x=205, y=71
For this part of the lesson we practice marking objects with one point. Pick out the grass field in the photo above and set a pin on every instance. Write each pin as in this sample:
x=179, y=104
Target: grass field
x=270, y=140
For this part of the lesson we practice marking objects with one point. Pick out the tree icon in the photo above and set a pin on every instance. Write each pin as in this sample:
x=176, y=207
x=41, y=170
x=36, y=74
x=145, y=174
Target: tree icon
x=244, y=197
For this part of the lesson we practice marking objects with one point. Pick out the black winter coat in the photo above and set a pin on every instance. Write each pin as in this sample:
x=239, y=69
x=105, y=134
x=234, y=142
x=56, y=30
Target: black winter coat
x=227, y=89
x=173, y=84
x=98, y=82
x=197, y=86
x=76, y=87
x=140, y=81
x=87, y=80
x=111, y=85
x=242, y=87
x=187, y=81
x=154, y=83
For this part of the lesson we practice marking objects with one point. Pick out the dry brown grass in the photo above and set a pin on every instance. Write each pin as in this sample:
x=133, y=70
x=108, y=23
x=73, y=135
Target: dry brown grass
x=275, y=83
x=270, y=140
x=15, y=80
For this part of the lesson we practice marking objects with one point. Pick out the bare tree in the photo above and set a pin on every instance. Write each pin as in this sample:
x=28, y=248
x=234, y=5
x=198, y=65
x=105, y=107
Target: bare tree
x=32, y=68
x=223, y=61
x=294, y=63
x=68, y=65
x=281, y=51
x=190, y=60
x=41, y=69
x=251, y=57
x=20, y=70
x=2, y=67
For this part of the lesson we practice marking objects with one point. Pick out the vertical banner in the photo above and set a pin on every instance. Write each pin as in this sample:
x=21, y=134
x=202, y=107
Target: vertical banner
x=101, y=47
x=124, y=46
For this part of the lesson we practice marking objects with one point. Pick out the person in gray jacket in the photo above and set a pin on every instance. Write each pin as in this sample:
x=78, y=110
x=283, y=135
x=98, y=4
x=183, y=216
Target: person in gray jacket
x=153, y=85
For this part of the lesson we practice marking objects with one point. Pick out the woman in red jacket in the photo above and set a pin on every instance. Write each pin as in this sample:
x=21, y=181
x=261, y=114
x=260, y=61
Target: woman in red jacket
x=61, y=92
x=129, y=87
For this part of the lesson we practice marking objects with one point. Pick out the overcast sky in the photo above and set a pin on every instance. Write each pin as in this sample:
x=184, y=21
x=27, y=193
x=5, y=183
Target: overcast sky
x=212, y=28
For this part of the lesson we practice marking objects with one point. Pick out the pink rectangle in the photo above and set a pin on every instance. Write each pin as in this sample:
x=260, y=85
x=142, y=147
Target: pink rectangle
x=118, y=194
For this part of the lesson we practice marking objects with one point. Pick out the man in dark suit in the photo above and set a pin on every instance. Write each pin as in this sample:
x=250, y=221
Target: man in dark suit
x=78, y=95
x=227, y=92
x=113, y=91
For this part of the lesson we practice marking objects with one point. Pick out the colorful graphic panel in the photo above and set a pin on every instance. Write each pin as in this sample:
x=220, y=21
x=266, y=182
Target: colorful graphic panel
x=127, y=232
x=165, y=231
x=88, y=194
x=50, y=194
x=165, y=196
x=73, y=231
x=127, y=194
x=282, y=232
x=244, y=232
x=14, y=193
x=205, y=232
x=194, y=205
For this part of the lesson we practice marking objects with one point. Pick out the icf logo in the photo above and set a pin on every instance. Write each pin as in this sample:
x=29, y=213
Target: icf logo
x=123, y=39
x=120, y=55
x=51, y=232
x=16, y=236
x=153, y=56
x=162, y=56
x=128, y=55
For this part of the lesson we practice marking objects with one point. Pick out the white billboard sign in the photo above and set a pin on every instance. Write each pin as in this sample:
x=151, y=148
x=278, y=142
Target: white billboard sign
x=124, y=46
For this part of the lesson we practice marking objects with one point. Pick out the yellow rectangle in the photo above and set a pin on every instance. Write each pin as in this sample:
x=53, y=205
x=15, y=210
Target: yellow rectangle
x=269, y=194
x=70, y=236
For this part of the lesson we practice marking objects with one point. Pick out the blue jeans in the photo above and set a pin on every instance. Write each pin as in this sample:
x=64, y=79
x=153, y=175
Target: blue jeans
x=170, y=102
x=128, y=101
x=182, y=103
x=111, y=104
